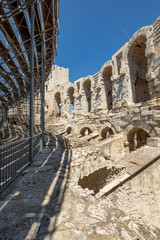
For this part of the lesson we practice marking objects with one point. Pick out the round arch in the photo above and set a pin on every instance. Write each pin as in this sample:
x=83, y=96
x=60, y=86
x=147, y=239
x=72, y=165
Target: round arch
x=143, y=125
x=109, y=126
x=138, y=66
x=144, y=31
x=107, y=64
x=85, y=131
x=137, y=137
x=106, y=132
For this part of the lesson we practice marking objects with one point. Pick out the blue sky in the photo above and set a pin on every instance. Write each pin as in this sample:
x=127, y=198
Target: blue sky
x=91, y=31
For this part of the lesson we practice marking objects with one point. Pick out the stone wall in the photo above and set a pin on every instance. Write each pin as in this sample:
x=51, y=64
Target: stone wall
x=124, y=94
x=140, y=197
x=108, y=115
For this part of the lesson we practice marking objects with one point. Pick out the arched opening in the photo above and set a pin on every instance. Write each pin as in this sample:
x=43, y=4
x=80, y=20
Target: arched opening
x=88, y=104
x=106, y=132
x=58, y=101
x=107, y=73
x=87, y=89
x=71, y=100
x=137, y=138
x=69, y=130
x=138, y=69
x=85, y=131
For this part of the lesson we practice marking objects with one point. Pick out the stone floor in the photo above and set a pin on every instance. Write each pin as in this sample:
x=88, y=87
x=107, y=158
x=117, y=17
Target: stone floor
x=43, y=204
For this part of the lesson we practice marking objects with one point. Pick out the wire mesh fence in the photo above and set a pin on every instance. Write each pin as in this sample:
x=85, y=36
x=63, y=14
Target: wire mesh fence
x=14, y=158
x=28, y=45
x=15, y=140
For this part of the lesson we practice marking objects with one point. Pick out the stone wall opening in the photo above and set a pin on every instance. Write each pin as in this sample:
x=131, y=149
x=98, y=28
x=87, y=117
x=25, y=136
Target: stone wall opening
x=137, y=138
x=107, y=73
x=85, y=131
x=119, y=62
x=138, y=70
x=71, y=100
x=88, y=104
x=58, y=101
x=78, y=86
x=106, y=132
x=87, y=90
x=69, y=130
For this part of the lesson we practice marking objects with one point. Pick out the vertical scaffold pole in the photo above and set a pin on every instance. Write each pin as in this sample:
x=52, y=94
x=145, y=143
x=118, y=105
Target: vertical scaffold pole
x=42, y=92
x=31, y=80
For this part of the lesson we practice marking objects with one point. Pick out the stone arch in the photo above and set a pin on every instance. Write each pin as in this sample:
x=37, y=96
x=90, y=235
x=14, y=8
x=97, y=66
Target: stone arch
x=58, y=103
x=88, y=94
x=137, y=137
x=142, y=125
x=107, y=64
x=70, y=94
x=107, y=125
x=138, y=65
x=106, y=77
x=106, y=132
x=85, y=131
x=144, y=31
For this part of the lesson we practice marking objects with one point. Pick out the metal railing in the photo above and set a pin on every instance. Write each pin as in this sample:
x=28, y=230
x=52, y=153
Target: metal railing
x=14, y=158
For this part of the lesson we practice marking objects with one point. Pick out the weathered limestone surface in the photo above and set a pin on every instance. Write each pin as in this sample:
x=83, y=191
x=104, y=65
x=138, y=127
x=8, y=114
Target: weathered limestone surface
x=108, y=115
x=46, y=203
x=123, y=96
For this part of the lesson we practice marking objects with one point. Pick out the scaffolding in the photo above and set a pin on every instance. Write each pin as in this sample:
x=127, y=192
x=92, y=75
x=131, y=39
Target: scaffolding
x=28, y=46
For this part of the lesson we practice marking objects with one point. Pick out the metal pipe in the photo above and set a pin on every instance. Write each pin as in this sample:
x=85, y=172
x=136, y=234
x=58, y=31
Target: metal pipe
x=31, y=80
x=42, y=92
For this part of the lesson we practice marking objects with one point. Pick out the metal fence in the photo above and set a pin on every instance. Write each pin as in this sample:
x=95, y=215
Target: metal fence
x=28, y=42
x=14, y=158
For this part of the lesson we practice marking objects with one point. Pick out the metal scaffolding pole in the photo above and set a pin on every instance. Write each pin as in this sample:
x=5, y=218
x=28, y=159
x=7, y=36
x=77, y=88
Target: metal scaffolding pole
x=42, y=92
x=31, y=80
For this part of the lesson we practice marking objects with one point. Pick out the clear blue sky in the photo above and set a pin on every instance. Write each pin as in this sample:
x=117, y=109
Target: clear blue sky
x=91, y=31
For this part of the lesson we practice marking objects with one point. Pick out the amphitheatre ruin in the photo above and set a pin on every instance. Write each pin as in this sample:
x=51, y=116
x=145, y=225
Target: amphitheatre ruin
x=98, y=175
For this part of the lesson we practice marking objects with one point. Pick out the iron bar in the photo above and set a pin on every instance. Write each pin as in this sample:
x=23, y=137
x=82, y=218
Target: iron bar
x=42, y=91
x=32, y=80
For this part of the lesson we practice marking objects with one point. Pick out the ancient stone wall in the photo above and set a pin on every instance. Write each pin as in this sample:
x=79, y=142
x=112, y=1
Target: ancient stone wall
x=123, y=95
x=140, y=197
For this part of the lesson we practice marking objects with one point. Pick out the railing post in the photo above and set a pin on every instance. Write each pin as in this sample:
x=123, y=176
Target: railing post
x=42, y=93
x=31, y=80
